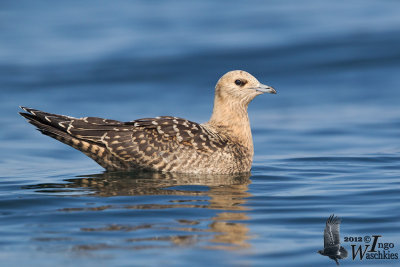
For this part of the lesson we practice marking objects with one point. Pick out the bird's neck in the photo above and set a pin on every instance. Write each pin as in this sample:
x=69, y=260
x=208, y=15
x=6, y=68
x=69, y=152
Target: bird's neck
x=231, y=119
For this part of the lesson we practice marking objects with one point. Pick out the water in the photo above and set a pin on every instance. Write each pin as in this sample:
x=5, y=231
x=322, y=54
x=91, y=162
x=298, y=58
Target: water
x=328, y=142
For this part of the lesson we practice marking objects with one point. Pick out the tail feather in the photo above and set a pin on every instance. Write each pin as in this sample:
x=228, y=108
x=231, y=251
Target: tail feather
x=56, y=121
x=43, y=127
x=50, y=124
x=69, y=130
x=67, y=123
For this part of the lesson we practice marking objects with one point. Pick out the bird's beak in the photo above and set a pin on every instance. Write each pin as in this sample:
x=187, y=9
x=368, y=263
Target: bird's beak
x=265, y=89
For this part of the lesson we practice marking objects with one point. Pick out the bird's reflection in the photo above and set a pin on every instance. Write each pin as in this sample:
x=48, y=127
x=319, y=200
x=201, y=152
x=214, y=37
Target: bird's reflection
x=225, y=193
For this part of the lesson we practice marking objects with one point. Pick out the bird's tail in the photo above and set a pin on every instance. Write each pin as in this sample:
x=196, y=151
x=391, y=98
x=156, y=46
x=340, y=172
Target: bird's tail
x=49, y=124
x=343, y=252
x=58, y=127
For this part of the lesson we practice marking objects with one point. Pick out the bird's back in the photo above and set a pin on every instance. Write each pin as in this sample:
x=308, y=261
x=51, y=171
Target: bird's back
x=161, y=144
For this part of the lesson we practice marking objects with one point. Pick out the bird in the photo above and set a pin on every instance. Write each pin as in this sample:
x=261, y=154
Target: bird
x=223, y=145
x=332, y=247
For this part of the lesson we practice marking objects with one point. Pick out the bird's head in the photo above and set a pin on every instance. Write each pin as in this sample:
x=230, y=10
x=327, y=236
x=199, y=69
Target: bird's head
x=241, y=86
x=321, y=252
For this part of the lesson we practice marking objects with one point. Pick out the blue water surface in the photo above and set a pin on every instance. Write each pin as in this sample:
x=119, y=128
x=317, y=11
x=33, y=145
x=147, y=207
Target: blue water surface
x=328, y=142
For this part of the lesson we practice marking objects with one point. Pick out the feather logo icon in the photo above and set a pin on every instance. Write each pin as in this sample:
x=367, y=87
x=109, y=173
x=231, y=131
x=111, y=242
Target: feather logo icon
x=332, y=247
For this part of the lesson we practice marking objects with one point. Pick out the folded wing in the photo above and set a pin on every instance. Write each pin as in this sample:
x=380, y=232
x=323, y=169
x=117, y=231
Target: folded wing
x=150, y=143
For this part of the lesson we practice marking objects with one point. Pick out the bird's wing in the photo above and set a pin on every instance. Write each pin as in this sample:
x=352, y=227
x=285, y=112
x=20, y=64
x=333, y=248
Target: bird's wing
x=151, y=142
x=178, y=130
x=331, y=232
x=144, y=142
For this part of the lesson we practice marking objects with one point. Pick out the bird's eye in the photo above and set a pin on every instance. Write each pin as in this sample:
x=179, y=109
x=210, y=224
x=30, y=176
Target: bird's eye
x=238, y=82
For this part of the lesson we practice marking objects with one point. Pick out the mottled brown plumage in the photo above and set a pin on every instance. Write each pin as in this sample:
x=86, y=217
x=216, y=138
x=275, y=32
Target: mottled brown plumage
x=222, y=145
